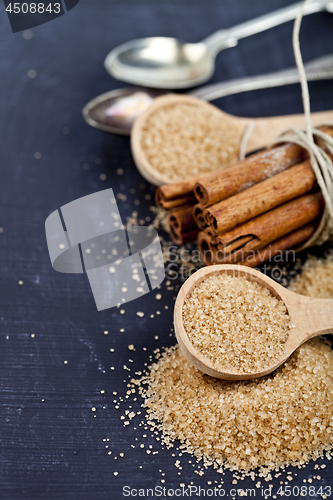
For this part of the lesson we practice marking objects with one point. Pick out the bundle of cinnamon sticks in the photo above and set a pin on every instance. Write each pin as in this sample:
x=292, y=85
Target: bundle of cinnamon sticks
x=249, y=212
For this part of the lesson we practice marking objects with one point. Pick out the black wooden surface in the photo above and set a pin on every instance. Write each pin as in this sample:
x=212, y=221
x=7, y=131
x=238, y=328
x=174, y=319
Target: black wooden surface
x=51, y=441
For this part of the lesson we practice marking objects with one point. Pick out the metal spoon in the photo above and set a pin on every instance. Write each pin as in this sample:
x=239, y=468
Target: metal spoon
x=116, y=111
x=311, y=317
x=169, y=63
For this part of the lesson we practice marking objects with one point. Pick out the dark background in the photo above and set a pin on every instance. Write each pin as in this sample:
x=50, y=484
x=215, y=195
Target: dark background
x=51, y=441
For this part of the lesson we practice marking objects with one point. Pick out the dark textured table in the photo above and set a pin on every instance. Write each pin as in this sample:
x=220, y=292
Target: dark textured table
x=55, y=358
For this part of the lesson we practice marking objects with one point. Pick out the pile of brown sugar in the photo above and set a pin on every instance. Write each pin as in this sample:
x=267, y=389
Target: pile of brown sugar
x=316, y=278
x=182, y=140
x=238, y=324
x=283, y=418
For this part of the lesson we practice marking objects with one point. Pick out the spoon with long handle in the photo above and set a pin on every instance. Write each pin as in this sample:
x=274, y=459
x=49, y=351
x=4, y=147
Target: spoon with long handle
x=310, y=316
x=168, y=63
x=115, y=111
x=233, y=130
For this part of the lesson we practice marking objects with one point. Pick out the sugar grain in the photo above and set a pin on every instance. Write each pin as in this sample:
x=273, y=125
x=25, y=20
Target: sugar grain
x=238, y=324
x=183, y=140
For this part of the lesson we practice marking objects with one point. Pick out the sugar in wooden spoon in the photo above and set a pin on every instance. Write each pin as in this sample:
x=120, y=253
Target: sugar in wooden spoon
x=233, y=322
x=181, y=136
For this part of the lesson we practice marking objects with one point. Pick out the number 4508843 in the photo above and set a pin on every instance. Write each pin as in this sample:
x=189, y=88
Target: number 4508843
x=33, y=8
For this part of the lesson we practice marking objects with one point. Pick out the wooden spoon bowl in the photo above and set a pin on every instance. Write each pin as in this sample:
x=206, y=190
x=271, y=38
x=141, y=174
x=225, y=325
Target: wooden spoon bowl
x=262, y=131
x=311, y=317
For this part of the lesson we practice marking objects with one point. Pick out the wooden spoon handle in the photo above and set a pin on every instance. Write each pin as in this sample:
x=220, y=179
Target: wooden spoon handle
x=312, y=316
x=266, y=130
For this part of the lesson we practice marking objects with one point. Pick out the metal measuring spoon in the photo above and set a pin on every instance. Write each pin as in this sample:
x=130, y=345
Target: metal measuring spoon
x=168, y=63
x=116, y=111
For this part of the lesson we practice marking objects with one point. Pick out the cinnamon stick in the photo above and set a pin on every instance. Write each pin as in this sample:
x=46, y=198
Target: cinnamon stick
x=206, y=248
x=177, y=202
x=263, y=230
x=176, y=191
x=181, y=220
x=291, y=240
x=262, y=197
x=219, y=185
x=199, y=216
x=187, y=237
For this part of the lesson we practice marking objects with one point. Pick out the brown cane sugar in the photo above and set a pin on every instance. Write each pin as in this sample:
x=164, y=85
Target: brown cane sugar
x=283, y=418
x=238, y=324
x=316, y=278
x=182, y=140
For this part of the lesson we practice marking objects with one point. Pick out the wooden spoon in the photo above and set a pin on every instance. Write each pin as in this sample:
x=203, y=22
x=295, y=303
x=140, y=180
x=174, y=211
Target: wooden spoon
x=311, y=317
x=264, y=131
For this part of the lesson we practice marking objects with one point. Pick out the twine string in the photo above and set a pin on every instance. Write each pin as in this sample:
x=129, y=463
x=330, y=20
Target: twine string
x=321, y=163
